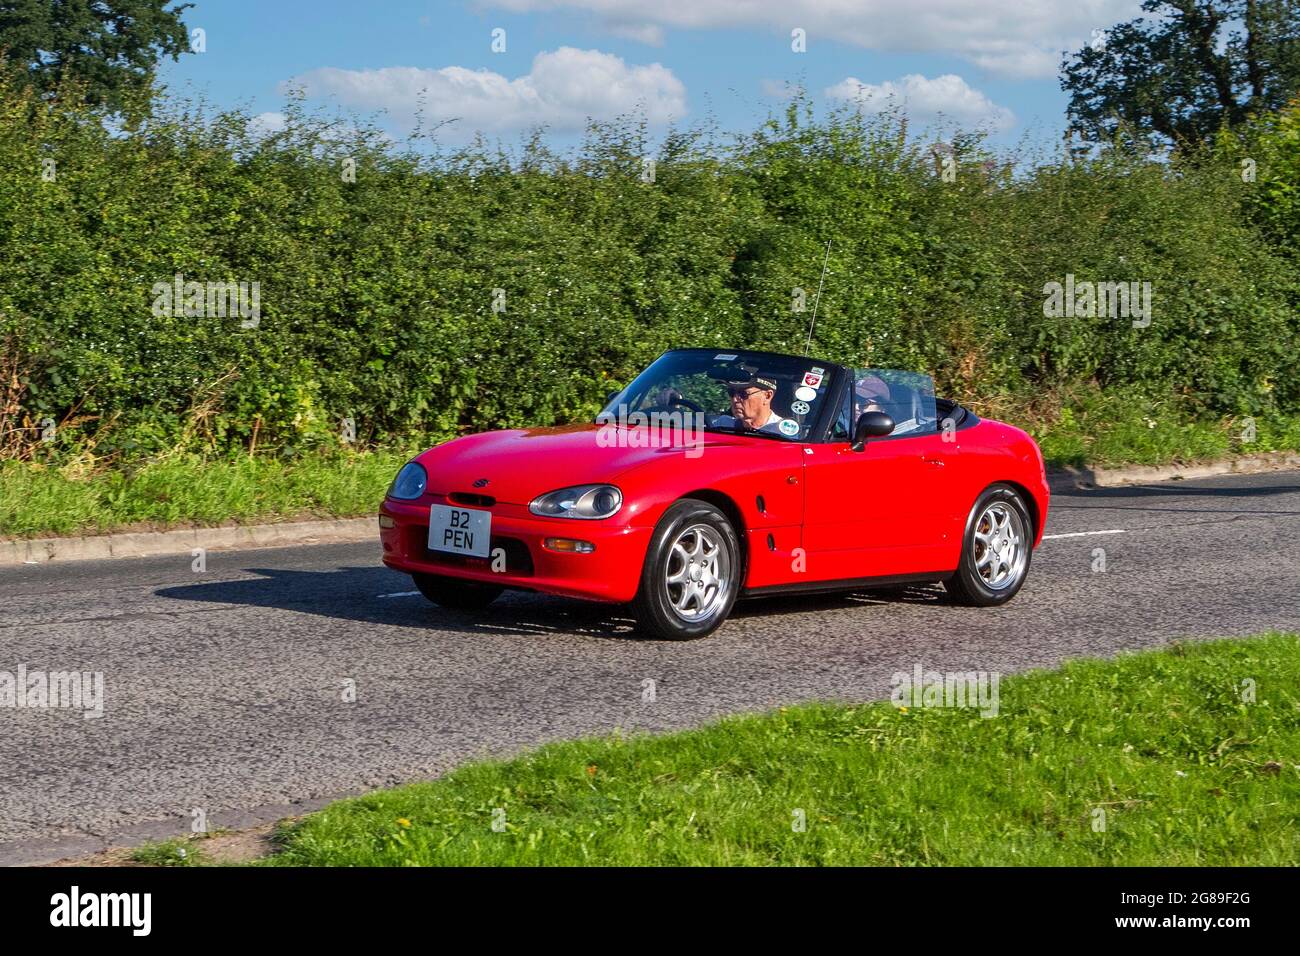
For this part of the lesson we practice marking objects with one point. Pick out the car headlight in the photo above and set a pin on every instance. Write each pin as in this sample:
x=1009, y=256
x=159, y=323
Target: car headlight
x=410, y=482
x=580, y=501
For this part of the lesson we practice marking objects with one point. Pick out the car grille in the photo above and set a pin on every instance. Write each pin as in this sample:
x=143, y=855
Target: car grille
x=469, y=498
x=519, y=561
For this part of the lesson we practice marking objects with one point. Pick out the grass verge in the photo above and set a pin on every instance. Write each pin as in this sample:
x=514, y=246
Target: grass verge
x=178, y=851
x=1185, y=756
x=41, y=501
x=1124, y=428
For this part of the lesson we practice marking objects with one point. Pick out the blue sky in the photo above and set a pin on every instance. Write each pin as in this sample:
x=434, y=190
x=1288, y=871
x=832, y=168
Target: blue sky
x=986, y=63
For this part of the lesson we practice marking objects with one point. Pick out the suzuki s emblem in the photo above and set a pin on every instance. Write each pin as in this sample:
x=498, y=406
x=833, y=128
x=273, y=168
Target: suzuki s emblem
x=481, y=483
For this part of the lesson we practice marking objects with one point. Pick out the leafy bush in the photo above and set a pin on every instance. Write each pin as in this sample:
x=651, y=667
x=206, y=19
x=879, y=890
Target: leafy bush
x=435, y=293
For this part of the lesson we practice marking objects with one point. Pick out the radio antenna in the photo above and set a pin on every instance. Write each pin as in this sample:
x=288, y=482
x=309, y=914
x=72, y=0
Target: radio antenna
x=817, y=301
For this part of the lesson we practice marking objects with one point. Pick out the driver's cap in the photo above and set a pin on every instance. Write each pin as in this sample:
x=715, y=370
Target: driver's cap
x=755, y=380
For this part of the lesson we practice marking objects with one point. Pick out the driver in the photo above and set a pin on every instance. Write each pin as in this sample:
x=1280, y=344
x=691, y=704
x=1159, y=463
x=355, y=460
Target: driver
x=751, y=406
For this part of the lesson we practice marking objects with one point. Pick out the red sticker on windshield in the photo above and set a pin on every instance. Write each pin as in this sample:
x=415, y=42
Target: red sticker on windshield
x=812, y=380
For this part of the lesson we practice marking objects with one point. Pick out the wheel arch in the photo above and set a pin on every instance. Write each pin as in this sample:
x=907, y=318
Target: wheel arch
x=727, y=505
x=1031, y=504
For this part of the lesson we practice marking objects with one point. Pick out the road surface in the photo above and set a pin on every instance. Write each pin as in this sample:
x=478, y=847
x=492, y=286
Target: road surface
x=224, y=690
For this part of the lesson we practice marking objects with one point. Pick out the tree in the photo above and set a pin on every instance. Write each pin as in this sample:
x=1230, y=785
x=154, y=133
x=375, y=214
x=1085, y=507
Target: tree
x=110, y=48
x=1186, y=69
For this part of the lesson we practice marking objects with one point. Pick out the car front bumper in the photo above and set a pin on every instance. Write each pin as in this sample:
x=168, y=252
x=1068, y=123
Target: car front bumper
x=611, y=572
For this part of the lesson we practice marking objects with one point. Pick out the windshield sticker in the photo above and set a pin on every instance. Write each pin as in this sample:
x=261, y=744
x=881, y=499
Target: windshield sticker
x=724, y=358
x=789, y=427
x=799, y=408
x=812, y=380
x=818, y=371
x=805, y=394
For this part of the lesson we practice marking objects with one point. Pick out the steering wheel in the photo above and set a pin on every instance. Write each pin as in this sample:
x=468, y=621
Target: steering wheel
x=687, y=403
x=670, y=397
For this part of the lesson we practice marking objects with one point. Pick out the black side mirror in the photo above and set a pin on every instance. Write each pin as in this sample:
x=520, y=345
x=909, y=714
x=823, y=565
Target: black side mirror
x=610, y=397
x=871, y=425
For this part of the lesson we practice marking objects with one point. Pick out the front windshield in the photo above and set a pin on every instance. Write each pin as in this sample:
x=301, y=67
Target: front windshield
x=751, y=393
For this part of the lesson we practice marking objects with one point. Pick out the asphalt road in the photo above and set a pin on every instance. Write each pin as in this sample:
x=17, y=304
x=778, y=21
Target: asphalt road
x=224, y=689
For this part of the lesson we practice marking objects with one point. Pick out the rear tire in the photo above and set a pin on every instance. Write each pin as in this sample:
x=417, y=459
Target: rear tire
x=996, y=550
x=691, y=575
x=456, y=594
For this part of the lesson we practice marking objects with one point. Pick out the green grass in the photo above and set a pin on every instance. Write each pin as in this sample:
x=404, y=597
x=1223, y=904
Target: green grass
x=178, y=851
x=1186, y=772
x=37, y=501
x=1116, y=429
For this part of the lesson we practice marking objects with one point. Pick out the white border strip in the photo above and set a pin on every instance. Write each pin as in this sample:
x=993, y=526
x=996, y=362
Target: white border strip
x=1084, y=534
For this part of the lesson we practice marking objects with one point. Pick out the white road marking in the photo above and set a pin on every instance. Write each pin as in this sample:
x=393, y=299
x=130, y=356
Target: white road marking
x=1084, y=534
x=398, y=594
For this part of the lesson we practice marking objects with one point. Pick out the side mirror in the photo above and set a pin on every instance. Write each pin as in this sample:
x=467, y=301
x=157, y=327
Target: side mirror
x=610, y=397
x=871, y=425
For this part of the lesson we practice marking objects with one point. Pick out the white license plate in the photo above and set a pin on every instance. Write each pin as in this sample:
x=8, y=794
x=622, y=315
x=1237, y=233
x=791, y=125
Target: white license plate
x=460, y=530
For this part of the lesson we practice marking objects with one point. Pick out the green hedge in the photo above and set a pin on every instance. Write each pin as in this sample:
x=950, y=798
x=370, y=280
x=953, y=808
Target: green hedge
x=377, y=299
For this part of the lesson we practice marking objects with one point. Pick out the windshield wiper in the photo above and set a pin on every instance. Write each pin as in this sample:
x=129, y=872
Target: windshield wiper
x=749, y=433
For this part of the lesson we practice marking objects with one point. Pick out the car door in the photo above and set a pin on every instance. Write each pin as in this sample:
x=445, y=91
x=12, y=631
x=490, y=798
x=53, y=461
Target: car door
x=878, y=512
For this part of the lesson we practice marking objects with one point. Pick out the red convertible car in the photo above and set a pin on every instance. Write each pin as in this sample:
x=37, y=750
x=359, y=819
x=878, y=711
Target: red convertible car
x=717, y=475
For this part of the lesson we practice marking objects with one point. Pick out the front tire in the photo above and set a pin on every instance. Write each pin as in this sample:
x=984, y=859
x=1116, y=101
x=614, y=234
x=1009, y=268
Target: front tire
x=455, y=594
x=691, y=575
x=995, y=550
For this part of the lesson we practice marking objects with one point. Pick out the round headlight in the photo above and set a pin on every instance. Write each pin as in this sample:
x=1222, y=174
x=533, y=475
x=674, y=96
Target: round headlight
x=409, y=483
x=605, y=501
x=581, y=501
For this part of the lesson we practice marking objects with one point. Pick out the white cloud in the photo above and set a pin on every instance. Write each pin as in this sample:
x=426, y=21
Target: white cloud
x=650, y=34
x=265, y=123
x=561, y=91
x=779, y=89
x=1020, y=38
x=925, y=100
